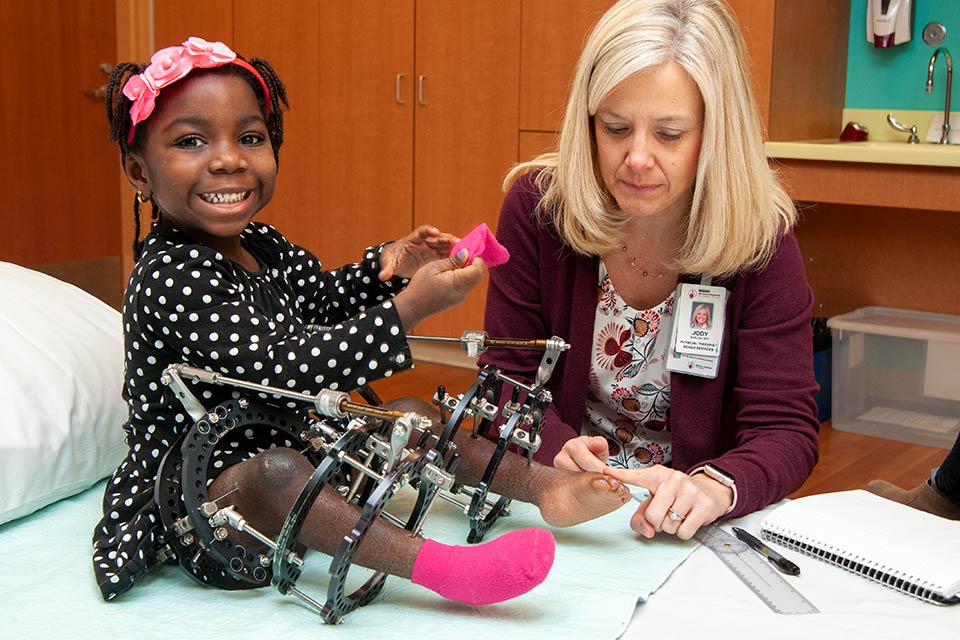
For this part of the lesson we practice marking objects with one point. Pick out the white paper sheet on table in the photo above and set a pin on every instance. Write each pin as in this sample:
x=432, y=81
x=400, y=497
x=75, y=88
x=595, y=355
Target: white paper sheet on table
x=600, y=572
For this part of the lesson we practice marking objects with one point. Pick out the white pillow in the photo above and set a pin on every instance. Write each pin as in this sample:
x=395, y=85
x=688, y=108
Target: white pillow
x=61, y=374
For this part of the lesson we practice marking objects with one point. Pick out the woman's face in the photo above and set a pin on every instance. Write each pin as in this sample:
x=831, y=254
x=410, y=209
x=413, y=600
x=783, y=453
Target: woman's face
x=648, y=131
x=701, y=318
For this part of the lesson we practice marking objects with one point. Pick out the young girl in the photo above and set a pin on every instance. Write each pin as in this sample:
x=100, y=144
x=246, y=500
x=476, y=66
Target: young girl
x=199, y=131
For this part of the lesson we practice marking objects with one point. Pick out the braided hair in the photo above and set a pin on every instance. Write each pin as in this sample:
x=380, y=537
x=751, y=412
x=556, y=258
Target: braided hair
x=118, y=116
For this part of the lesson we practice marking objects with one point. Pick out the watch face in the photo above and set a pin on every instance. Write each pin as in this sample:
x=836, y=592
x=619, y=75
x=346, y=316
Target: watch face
x=718, y=475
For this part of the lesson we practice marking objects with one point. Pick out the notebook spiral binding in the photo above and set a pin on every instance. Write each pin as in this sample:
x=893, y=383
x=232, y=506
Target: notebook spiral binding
x=876, y=574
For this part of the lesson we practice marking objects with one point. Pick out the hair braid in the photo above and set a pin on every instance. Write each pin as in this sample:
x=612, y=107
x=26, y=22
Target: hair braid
x=278, y=102
x=137, y=245
x=155, y=215
x=118, y=106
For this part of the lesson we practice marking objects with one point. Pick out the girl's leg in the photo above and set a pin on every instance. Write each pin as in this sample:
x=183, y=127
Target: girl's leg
x=564, y=498
x=265, y=488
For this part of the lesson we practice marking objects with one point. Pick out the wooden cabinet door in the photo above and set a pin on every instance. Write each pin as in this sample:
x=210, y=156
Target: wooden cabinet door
x=59, y=170
x=346, y=167
x=176, y=20
x=467, y=61
x=552, y=41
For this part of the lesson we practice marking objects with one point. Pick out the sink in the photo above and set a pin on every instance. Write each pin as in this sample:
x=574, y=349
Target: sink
x=924, y=153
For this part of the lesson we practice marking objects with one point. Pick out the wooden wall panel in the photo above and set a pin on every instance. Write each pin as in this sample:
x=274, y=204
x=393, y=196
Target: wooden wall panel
x=287, y=35
x=466, y=130
x=756, y=18
x=878, y=185
x=134, y=38
x=176, y=20
x=533, y=143
x=58, y=168
x=552, y=40
x=550, y=45
x=808, y=79
x=861, y=256
x=346, y=167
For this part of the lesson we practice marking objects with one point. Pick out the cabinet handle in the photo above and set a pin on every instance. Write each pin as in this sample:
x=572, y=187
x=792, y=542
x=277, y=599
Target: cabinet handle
x=399, y=78
x=97, y=94
x=420, y=90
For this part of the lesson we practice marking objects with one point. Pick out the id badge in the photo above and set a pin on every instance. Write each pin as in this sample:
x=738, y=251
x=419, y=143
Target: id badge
x=697, y=332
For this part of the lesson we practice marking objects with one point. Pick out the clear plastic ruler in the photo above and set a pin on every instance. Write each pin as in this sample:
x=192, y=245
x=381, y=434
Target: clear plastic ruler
x=755, y=571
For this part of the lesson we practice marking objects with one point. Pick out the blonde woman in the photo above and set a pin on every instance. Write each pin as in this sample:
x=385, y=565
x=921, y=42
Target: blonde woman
x=660, y=178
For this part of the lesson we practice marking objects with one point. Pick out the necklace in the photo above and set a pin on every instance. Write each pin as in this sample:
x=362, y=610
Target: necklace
x=633, y=263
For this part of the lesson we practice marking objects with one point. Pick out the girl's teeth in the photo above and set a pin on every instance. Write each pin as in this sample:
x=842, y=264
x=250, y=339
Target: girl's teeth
x=224, y=198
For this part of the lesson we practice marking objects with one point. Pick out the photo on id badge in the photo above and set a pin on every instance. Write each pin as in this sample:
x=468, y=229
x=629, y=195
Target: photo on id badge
x=702, y=308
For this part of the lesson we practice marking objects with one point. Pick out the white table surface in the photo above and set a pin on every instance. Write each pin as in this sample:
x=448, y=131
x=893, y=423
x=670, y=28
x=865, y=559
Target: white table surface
x=704, y=599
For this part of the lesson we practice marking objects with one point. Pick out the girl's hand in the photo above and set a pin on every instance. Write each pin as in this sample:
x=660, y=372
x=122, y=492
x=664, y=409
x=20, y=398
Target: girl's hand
x=678, y=504
x=586, y=453
x=437, y=286
x=405, y=256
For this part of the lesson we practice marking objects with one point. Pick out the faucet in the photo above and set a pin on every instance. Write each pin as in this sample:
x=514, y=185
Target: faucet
x=945, y=135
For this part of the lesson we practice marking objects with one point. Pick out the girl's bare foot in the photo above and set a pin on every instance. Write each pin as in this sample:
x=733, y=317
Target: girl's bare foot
x=580, y=496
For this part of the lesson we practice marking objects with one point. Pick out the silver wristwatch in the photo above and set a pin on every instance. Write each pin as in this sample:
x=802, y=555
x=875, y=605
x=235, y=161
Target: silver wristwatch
x=723, y=478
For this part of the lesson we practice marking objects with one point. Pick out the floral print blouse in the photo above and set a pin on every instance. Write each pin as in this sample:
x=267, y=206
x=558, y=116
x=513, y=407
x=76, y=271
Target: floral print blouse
x=628, y=397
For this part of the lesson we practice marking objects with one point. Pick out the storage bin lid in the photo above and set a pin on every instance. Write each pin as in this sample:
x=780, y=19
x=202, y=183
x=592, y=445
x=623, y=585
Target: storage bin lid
x=901, y=323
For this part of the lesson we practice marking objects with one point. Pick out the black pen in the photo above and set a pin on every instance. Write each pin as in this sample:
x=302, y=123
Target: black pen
x=778, y=560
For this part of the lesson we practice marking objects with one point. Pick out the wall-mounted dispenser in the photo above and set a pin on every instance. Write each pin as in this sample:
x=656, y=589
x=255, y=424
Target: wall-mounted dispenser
x=889, y=22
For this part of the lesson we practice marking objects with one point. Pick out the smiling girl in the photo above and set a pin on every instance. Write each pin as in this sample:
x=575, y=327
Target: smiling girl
x=199, y=131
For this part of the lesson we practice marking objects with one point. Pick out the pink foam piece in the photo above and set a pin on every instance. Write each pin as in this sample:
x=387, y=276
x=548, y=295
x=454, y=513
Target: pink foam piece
x=504, y=568
x=481, y=242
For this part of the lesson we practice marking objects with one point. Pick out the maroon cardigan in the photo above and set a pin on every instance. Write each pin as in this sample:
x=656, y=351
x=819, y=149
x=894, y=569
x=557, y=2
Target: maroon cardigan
x=756, y=420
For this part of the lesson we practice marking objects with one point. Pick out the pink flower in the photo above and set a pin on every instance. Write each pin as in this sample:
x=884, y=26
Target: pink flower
x=208, y=54
x=143, y=97
x=167, y=66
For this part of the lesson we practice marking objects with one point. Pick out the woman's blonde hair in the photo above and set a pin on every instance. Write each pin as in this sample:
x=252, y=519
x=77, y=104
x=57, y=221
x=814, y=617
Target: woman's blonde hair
x=738, y=210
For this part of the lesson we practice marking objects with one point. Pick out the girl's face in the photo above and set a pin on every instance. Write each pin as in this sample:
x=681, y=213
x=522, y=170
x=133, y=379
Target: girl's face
x=207, y=160
x=648, y=132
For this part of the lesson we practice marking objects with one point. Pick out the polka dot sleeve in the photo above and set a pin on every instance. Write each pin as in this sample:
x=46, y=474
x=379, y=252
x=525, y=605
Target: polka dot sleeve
x=209, y=312
x=328, y=297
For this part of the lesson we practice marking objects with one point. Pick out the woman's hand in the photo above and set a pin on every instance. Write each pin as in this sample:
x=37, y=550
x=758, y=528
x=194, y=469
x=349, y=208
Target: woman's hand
x=678, y=504
x=404, y=257
x=586, y=453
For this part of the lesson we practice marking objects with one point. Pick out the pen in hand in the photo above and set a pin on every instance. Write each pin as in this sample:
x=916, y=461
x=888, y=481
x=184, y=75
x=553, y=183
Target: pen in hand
x=781, y=563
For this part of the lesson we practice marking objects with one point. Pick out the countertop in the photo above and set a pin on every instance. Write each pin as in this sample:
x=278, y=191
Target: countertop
x=923, y=154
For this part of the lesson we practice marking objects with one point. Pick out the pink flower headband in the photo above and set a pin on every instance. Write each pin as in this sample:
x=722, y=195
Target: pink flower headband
x=173, y=63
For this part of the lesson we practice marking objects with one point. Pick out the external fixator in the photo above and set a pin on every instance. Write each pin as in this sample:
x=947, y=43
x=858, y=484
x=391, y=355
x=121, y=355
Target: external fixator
x=367, y=462
x=522, y=418
x=365, y=452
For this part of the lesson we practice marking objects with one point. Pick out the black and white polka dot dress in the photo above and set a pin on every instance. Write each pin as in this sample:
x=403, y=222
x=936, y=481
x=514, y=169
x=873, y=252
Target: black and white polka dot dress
x=187, y=303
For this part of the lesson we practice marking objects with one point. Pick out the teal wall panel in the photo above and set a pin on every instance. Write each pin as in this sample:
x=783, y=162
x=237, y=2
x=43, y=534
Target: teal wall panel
x=894, y=78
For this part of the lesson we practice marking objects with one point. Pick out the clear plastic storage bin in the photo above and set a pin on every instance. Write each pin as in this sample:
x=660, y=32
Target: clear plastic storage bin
x=896, y=374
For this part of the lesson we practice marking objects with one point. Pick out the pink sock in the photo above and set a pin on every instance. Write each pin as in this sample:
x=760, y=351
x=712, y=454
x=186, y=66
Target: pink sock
x=499, y=570
x=481, y=242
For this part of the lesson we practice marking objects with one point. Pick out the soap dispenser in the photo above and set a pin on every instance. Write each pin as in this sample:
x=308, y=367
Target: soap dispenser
x=889, y=22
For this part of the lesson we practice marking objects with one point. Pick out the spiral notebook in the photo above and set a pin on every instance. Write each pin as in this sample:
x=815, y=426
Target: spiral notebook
x=903, y=548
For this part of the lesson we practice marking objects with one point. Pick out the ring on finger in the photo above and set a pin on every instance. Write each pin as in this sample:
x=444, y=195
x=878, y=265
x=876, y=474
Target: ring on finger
x=673, y=515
